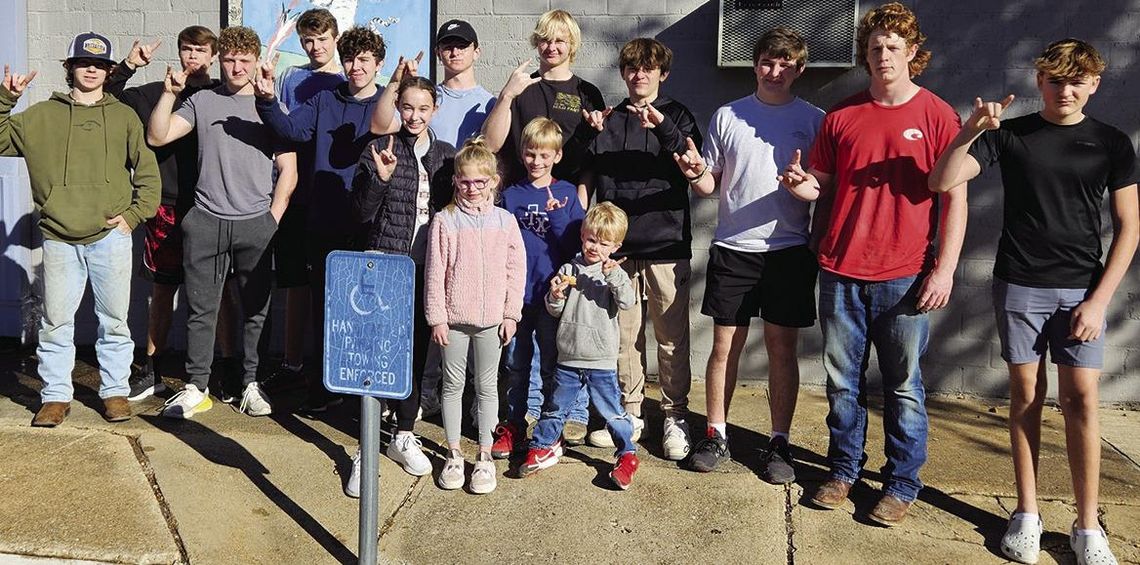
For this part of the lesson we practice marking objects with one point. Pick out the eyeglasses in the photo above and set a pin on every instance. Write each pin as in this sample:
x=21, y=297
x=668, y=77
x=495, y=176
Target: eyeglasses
x=478, y=184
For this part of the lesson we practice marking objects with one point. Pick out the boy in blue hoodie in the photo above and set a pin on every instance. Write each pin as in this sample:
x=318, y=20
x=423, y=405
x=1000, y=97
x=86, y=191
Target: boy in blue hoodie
x=81, y=148
x=549, y=216
x=334, y=126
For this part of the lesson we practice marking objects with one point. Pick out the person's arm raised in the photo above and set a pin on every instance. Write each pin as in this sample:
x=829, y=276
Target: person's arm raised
x=165, y=127
x=956, y=166
x=498, y=123
x=693, y=167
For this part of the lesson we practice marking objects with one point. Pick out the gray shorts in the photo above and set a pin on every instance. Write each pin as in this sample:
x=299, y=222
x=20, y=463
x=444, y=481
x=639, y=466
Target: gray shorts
x=1031, y=320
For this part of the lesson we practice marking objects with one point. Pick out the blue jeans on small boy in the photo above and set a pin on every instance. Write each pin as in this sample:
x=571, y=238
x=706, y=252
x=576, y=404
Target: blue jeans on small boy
x=605, y=393
x=531, y=357
x=67, y=268
x=854, y=314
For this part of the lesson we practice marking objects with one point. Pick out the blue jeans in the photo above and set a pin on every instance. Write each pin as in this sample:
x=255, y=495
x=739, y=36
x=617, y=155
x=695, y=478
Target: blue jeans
x=67, y=268
x=569, y=384
x=853, y=315
x=531, y=357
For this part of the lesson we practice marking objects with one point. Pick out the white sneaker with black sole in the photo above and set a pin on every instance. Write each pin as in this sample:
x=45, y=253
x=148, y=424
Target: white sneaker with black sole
x=254, y=402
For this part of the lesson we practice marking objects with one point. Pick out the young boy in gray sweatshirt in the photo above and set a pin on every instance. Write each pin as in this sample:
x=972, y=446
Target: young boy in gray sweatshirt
x=586, y=295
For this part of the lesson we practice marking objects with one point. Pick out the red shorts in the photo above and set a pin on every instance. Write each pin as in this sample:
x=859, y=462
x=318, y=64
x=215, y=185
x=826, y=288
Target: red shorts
x=162, y=248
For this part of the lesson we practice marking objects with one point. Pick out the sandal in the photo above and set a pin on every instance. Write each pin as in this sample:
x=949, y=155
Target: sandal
x=1091, y=549
x=1022, y=539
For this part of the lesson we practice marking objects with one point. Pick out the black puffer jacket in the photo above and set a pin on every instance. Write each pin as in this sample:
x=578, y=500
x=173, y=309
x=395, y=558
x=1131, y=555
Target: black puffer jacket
x=389, y=208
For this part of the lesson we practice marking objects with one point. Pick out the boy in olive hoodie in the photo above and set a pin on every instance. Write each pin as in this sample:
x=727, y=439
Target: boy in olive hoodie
x=80, y=148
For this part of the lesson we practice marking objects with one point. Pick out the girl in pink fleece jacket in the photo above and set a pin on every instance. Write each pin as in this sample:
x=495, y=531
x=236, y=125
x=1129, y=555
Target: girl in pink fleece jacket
x=476, y=271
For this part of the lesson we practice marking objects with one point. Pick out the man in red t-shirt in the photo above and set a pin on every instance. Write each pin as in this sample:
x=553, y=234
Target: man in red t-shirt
x=874, y=228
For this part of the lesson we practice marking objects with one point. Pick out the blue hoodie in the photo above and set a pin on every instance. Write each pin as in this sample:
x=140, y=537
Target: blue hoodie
x=550, y=238
x=338, y=125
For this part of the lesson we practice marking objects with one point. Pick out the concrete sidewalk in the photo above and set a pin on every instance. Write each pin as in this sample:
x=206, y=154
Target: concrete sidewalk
x=225, y=488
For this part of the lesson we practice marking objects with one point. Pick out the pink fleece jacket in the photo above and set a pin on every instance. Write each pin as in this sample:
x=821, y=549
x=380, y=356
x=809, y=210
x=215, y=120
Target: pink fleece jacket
x=476, y=267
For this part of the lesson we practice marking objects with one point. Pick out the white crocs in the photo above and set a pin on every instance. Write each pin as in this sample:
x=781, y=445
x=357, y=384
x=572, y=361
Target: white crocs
x=1091, y=549
x=1022, y=539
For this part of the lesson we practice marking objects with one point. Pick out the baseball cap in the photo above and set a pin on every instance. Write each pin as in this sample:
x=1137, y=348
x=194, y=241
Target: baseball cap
x=459, y=29
x=90, y=45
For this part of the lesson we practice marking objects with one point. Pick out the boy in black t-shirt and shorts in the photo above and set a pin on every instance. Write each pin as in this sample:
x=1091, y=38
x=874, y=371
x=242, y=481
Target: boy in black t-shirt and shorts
x=1050, y=290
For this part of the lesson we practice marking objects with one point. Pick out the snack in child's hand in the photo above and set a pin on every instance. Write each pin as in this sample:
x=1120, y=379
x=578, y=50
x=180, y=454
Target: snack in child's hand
x=570, y=280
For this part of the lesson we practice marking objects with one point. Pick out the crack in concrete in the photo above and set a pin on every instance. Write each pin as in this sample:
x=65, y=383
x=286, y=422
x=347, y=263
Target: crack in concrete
x=409, y=499
x=789, y=526
x=167, y=513
x=1121, y=453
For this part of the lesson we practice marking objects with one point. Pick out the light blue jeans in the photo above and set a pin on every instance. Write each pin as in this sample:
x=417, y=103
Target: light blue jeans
x=531, y=357
x=853, y=315
x=67, y=268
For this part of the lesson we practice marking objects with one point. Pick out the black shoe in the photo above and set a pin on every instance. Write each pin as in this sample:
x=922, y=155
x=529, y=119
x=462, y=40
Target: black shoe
x=709, y=452
x=776, y=464
x=144, y=384
x=320, y=401
x=284, y=379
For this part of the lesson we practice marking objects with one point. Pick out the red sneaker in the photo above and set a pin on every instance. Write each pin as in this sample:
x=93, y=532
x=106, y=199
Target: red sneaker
x=539, y=458
x=626, y=466
x=506, y=434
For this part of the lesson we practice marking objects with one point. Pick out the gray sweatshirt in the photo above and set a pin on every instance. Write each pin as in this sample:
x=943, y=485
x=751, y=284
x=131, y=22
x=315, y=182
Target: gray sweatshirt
x=588, y=329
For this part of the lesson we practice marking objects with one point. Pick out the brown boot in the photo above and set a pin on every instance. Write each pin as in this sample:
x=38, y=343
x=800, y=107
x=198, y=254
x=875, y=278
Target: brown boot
x=116, y=409
x=832, y=494
x=51, y=414
x=890, y=511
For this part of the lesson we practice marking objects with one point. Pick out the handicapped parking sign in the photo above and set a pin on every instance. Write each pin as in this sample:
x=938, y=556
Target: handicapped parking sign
x=369, y=301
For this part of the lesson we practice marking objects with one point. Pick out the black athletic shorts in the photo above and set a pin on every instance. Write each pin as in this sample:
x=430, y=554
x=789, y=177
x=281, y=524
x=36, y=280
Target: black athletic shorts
x=778, y=286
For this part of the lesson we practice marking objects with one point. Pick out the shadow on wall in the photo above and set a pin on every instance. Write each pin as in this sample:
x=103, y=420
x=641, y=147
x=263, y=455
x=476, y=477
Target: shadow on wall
x=979, y=49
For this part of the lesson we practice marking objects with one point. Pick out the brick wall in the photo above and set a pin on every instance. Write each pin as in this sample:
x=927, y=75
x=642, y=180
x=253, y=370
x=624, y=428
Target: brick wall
x=980, y=49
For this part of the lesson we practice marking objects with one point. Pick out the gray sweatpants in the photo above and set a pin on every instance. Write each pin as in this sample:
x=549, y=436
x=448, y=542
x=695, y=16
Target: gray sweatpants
x=210, y=246
x=486, y=348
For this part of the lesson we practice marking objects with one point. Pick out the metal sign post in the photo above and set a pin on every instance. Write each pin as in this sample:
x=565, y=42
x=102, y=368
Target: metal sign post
x=369, y=301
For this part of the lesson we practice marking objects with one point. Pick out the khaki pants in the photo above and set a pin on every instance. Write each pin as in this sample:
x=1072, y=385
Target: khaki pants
x=662, y=290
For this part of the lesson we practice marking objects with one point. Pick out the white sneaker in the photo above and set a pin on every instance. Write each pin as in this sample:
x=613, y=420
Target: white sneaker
x=1091, y=549
x=352, y=487
x=483, y=478
x=601, y=438
x=254, y=402
x=451, y=477
x=407, y=451
x=188, y=402
x=675, y=439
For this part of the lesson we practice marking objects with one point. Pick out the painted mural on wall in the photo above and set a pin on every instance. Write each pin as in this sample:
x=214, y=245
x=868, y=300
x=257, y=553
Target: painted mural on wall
x=405, y=25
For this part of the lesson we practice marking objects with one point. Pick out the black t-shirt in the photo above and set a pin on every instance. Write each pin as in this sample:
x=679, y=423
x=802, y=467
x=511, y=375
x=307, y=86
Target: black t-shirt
x=1054, y=179
x=563, y=102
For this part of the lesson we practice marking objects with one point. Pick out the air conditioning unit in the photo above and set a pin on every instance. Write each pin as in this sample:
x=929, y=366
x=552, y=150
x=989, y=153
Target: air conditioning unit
x=828, y=27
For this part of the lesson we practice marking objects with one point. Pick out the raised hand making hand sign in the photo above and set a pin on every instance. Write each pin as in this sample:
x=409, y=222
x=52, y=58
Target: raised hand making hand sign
x=141, y=53
x=987, y=115
x=650, y=117
x=553, y=203
x=385, y=160
x=16, y=83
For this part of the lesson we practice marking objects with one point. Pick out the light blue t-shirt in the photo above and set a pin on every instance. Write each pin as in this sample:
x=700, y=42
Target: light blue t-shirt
x=749, y=143
x=461, y=113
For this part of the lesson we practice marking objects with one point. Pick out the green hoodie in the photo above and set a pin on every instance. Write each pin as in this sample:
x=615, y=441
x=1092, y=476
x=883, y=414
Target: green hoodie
x=80, y=160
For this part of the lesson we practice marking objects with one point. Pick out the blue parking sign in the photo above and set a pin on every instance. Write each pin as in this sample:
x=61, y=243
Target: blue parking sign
x=369, y=302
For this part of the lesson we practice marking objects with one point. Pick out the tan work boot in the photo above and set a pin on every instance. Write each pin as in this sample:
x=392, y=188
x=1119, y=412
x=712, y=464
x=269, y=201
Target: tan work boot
x=890, y=511
x=832, y=494
x=116, y=409
x=51, y=414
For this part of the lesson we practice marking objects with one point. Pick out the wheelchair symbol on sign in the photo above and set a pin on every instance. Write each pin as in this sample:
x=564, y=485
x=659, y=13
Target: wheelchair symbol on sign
x=361, y=303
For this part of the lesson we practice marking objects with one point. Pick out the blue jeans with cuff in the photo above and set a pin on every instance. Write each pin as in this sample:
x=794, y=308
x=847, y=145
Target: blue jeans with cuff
x=562, y=395
x=855, y=314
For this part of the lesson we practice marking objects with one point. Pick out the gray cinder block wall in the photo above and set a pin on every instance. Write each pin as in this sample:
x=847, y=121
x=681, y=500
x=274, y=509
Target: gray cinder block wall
x=980, y=49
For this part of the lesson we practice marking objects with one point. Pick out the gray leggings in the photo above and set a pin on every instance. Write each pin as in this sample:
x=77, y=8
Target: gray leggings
x=486, y=348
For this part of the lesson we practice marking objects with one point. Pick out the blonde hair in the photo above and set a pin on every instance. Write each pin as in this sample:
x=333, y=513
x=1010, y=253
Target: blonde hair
x=893, y=17
x=1069, y=59
x=607, y=221
x=239, y=39
x=555, y=23
x=542, y=133
x=476, y=155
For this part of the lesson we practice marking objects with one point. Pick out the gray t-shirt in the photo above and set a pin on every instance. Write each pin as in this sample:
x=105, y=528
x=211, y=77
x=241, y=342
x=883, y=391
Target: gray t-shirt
x=749, y=143
x=235, y=154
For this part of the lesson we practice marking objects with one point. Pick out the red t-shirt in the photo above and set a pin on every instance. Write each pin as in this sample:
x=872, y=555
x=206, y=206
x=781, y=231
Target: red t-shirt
x=879, y=221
